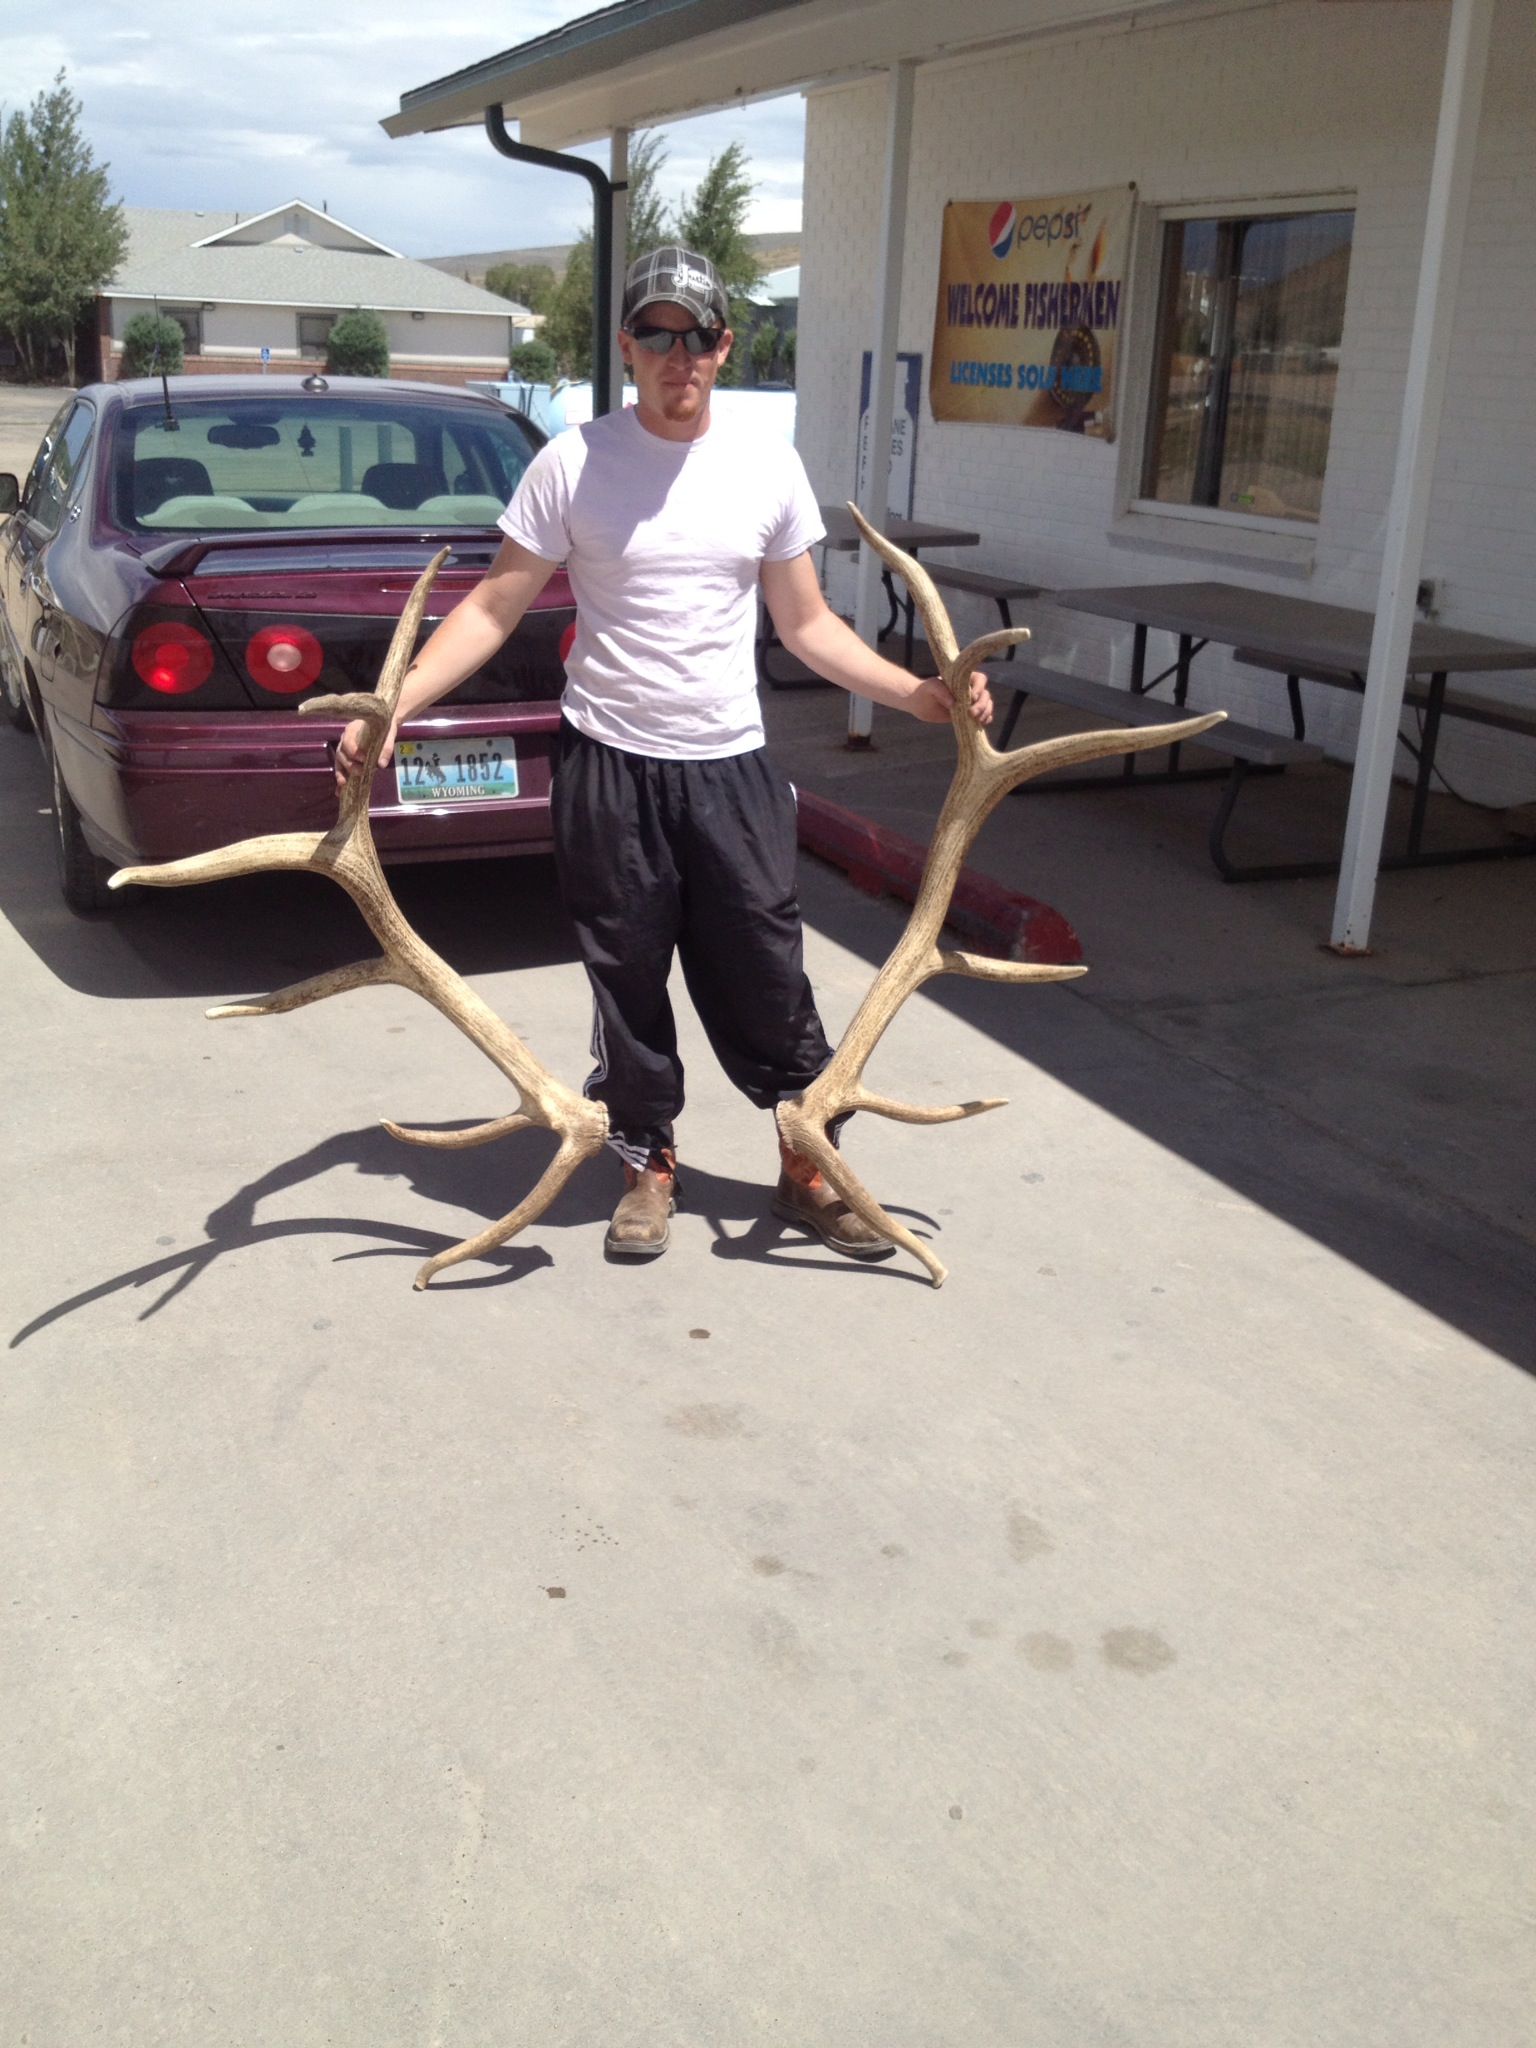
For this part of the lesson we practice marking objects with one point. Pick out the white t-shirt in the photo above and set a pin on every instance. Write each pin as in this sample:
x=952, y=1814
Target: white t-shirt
x=663, y=541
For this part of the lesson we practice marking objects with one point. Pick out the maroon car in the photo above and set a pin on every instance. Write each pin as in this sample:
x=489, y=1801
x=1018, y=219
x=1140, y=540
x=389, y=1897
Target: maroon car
x=190, y=558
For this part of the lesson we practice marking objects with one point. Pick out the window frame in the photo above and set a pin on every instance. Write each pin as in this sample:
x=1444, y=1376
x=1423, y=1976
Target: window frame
x=308, y=352
x=190, y=320
x=1199, y=529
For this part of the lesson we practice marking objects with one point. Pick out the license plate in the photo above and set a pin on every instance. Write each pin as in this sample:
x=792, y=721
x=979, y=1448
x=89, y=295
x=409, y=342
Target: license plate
x=468, y=768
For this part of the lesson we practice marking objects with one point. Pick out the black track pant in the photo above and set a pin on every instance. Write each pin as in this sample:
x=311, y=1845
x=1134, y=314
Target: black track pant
x=700, y=856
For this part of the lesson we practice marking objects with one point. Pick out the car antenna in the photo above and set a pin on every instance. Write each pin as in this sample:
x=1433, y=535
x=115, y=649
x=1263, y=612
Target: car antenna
x=172, y=424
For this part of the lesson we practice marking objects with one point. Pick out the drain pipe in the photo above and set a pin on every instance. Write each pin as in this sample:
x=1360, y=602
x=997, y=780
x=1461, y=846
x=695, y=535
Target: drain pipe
x=603, y=189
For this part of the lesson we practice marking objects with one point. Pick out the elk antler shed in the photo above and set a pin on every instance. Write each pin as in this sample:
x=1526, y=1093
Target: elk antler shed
x=347, y=855
x=982, y=778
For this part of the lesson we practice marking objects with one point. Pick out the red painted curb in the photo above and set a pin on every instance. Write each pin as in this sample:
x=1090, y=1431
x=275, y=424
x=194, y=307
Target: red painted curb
x=996, y=920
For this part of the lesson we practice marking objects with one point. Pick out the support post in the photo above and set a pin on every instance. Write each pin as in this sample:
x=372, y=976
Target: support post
x=618, y=178
x=602, y=241
x=882, y=370
x=1450, y=187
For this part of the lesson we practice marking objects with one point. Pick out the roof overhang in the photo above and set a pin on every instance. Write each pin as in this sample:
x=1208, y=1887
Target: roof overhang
x=643, y=62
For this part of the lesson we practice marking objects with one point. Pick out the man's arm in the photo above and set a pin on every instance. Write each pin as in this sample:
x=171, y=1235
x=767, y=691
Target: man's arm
x=464, y=642
x=814, y=634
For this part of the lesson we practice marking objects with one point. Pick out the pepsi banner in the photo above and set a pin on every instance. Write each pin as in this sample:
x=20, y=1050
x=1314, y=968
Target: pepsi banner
x=1031, y=295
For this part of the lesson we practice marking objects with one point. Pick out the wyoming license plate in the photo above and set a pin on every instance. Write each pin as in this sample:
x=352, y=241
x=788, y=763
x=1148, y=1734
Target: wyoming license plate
x=469, y=768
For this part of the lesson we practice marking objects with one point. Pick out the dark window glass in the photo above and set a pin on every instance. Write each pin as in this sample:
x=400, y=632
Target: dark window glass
x=301, y=460
x=190, y=320
x=1250, y=319
x=62, y=473
x=315, y=334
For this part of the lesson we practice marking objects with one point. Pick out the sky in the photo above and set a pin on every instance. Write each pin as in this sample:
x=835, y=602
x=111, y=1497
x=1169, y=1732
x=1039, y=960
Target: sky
x=226, y=105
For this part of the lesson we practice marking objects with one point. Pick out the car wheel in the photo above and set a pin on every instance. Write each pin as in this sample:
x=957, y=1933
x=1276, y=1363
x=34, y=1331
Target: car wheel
x=15, y=695
x=82, y=874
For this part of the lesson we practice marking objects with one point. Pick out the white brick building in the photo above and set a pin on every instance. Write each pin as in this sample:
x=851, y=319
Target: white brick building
x=1286, y=102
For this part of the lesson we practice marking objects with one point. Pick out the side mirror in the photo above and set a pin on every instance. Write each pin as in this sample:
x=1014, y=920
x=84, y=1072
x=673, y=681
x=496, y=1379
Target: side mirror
x=10, y=493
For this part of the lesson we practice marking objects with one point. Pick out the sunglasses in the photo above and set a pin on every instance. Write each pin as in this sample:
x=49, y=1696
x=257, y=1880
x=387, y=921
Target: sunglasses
x=657, y=341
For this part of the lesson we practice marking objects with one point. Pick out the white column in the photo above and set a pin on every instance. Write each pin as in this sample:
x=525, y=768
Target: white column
x=869, y=605
x=618, y=171
x=1450, y=185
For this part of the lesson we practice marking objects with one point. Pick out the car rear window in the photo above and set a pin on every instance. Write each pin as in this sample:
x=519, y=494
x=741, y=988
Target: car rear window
x=302, y=460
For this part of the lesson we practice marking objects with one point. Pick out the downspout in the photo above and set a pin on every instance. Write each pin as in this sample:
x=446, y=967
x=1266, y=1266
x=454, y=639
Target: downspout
x=603, y=190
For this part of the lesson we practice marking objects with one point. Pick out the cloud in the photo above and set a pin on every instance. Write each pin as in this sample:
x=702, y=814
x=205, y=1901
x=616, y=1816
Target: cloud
x=207, y=107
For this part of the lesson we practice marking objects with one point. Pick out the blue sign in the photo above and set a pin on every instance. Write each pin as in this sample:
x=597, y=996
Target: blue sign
x=266, y=355
x=903, y=469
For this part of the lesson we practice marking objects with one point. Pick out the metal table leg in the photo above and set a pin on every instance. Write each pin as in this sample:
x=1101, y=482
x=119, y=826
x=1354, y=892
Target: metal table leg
x=1427, y=745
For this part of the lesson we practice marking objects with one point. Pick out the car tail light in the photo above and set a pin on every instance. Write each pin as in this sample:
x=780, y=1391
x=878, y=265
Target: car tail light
x=286, y=659
x=172, y=658
x=567, y=641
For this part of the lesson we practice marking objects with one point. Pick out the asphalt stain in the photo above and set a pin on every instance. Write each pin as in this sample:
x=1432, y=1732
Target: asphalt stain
x=957, y=1813
x=957, y=1657
x=768, y=1567
x=706, y=1419
x=986, y=1630
x=1141, y=1650
x=1047, y=1652
x=1027, y=1538
x=892, y=1550
x=555, y=1592
x=698, y=1333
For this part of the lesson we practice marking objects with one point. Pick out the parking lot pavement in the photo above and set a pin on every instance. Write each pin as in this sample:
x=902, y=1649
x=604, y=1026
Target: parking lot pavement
x=1128, y=1643
x=25, y=411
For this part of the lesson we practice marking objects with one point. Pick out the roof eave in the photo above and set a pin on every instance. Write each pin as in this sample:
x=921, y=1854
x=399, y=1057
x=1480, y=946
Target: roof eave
x=571, y=56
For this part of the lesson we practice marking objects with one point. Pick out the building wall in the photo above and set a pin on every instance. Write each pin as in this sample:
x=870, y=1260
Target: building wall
x=440, y=347
x=1281, y=100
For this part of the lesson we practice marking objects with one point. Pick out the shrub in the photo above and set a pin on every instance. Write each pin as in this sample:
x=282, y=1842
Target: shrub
x=144, y=334
x=534, y=362
x=358, y=346
x=764, y=351
x=787, y=351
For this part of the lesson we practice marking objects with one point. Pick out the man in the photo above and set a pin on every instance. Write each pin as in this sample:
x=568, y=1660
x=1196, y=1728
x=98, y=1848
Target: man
x=671, y=830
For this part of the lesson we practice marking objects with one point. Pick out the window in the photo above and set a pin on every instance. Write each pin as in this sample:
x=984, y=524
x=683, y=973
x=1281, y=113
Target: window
x=315, y=334
x=56, y=483
x=1250, y=316
x=302, y=461
x=190, y=320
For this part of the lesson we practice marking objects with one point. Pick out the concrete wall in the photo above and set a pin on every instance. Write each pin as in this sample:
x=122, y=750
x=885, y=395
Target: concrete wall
x=1290, y=99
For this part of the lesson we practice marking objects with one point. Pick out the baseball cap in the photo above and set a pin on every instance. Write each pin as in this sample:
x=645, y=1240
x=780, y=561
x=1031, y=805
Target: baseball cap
x=680, y=276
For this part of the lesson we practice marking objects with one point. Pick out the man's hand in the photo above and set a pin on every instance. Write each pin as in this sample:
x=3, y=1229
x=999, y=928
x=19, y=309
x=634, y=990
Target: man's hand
x=931, y=701
x=350, y=748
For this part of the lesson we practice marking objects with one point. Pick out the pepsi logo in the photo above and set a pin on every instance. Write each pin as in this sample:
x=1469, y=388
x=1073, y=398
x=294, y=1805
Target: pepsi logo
x=1000, y=230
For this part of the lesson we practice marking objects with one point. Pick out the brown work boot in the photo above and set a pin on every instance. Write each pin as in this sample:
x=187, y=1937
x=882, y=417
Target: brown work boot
x=640, y=1227
x=804, y=1196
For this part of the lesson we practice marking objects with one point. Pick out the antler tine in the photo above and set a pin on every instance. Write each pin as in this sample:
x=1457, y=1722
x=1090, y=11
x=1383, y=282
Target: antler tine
x=348, y=856
x=981, y=779
x=941, y=634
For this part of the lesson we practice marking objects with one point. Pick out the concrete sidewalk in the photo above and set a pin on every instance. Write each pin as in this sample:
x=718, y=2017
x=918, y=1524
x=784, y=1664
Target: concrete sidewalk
x=1128, y=1644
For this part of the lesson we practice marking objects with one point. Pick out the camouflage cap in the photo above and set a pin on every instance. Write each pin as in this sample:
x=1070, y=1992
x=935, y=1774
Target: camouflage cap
x=681, y=277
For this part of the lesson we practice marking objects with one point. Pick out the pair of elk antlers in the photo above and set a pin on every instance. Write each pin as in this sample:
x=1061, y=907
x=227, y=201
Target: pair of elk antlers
x=348, y=856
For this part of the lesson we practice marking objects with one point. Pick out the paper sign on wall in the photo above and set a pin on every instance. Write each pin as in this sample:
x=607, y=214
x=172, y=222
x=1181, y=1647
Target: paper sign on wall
x=1031, y=294
x=903, y=470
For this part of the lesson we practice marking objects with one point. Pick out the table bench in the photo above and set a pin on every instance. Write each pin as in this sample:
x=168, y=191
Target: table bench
x=1003, y=591
x=1248, y=747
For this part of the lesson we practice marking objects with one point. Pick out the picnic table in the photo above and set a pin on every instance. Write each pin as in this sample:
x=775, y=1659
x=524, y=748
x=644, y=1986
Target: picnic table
x=1308, y=641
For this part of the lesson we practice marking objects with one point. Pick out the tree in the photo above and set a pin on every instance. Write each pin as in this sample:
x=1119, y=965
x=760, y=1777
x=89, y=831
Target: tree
x=713, y=221
x=648, y=225
x=534, y=361
x=152, y=342
x=61, y=234
x=764, y=351
x=568, y=324
x=358, y=346
x=530, y=284
x=787, y=353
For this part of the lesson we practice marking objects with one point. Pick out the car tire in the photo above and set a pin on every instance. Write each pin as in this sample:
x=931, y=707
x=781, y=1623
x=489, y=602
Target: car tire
x=82, y=874
x=13, y=699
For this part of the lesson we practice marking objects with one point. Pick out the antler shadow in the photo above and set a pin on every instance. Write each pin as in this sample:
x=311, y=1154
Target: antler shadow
x=982, y=778
x=347, y=855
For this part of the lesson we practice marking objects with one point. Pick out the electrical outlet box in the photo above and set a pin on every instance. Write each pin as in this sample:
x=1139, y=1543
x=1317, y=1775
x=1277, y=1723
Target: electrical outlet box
x=1428, y=598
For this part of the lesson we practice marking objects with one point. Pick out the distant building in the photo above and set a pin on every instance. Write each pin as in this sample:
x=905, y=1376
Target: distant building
x=236, y=283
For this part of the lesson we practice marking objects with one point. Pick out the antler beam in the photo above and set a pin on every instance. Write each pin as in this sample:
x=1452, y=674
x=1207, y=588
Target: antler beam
x=349, y=857
x=982, y=778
